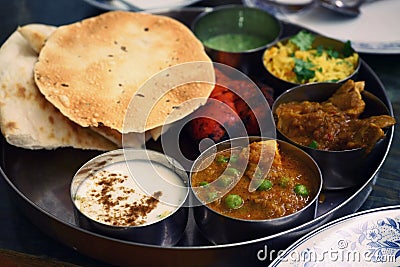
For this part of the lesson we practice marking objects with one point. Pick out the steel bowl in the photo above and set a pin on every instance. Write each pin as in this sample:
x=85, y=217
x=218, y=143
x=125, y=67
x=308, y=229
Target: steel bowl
x=222, y=229
x=280, y=85
x=340, y=169
x=164, y=231
x=237, y=20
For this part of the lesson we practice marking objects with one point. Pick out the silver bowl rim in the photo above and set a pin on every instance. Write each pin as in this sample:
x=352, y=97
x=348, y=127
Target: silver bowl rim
x=237, y=6
x=311, y=203
x=121, y=152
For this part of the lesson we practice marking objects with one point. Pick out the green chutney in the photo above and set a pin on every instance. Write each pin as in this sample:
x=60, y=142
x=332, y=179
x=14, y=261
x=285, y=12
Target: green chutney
x=234, y=42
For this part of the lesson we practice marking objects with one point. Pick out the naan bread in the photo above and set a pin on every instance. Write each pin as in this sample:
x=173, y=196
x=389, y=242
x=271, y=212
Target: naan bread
x=27, y=119
x=36, y=35
x=90, y=70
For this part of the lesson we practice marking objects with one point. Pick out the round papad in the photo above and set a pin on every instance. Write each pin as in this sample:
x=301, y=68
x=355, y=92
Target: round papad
x=90, y=70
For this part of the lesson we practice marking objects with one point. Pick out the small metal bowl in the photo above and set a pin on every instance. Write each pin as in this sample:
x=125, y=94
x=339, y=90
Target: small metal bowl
x=241, y=24
x=148, y=171
x=280, y=85
x=340, y=169
x=221, y=229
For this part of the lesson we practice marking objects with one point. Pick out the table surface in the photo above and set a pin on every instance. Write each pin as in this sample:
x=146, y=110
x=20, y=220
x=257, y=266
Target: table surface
x=18, y=234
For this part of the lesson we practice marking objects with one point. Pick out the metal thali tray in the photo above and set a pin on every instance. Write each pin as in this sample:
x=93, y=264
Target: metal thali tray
x=39, y=180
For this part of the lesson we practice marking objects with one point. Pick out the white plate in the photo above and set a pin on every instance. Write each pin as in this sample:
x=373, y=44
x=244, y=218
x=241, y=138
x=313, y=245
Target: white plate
x=138, y=5
x=369, y=238
x=376, y=30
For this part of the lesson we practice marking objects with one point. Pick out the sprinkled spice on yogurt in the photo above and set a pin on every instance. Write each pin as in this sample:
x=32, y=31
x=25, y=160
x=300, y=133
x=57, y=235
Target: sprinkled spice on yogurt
x=109, y=197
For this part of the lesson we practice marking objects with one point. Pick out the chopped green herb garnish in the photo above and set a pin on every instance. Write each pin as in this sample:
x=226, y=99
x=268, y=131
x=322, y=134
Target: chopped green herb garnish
x=303, y=40
x=347, y=49
x=320, y=50
x=332, y=53
x=303, y=70
x=313, y=144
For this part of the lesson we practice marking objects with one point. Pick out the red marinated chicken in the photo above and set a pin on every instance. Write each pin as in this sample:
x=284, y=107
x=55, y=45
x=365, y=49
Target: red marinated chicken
x=226, y=111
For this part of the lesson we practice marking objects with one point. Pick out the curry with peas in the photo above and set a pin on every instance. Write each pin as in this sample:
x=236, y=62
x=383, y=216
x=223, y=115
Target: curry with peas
x=284, y=184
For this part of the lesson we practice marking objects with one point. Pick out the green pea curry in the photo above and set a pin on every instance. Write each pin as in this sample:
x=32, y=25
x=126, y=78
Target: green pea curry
x=284, y=184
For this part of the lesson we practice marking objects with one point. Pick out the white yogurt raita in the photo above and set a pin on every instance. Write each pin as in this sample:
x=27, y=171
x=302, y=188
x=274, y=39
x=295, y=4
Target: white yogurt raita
x=132, y=193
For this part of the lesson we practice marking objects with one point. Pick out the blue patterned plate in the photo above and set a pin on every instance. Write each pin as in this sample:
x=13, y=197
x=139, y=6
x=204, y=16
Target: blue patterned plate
x=369, y=238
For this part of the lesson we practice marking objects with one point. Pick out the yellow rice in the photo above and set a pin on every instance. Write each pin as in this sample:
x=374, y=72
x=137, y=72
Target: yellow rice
x=280, y=62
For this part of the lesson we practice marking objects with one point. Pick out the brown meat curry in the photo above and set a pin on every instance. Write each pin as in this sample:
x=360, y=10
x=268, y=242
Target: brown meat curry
x=333, y=124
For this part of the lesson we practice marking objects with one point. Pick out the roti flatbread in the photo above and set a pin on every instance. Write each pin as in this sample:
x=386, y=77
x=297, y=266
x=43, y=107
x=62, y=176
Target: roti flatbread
x=27, y=119
x=36, y=34
x=90, y=70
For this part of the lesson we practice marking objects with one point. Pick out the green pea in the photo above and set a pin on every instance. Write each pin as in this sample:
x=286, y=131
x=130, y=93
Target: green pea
x=203, y=183
x=221, y=159
x=224, y=181
x=233, y=201
x=284, y=182
x=313, y=144
x=265, y=185
x=232, y=171
x=301, y=190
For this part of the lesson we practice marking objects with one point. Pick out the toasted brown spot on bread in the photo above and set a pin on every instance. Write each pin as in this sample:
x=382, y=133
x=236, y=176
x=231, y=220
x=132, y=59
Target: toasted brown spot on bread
x=21, y=91
x=11, y=125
